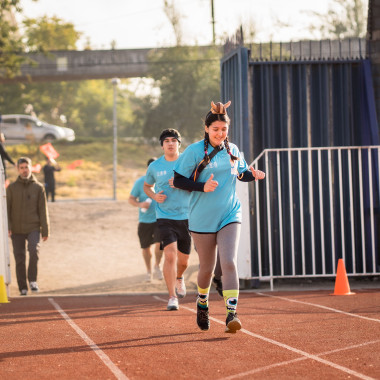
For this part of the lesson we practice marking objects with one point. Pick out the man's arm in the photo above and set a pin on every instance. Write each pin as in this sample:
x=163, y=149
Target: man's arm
x=43, y=214
x=9, y=209
x=134, y=202
x=158, y=197
x=4, y=154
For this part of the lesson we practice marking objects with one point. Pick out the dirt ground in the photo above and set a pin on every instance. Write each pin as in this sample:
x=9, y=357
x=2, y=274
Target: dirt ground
x=94, y=248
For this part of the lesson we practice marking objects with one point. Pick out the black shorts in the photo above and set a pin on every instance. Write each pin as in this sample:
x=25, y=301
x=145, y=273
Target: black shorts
x=148, y=234
x=175, y=231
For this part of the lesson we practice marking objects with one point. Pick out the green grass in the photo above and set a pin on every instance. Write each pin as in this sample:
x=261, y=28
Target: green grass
x=94, y=178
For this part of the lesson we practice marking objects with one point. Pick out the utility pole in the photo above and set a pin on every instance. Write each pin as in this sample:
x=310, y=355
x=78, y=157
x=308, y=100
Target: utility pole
x=213, y=22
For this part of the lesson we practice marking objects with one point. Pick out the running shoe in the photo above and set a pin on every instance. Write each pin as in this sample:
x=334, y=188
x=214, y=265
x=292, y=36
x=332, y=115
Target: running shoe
x=33, y=286
x=202, y=318
x=180, y=288
x=23, y=292
x=173, y=303
x=218, y=285
x=232, y=323
x=158, y=273
x=148, y=277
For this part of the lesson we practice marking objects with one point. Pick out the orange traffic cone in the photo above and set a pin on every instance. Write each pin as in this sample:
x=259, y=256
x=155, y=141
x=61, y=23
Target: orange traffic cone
x=342, y=287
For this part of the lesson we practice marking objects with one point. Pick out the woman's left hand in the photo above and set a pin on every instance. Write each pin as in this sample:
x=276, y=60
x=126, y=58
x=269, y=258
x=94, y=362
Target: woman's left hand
x=258, y=174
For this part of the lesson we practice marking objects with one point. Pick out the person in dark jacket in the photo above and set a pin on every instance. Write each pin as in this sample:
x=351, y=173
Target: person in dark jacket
x=28, y=220
x=49, y=169
x=4, y=155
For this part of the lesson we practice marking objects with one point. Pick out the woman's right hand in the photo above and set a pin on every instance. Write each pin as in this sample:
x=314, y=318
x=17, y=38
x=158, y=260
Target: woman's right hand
x=210, y=185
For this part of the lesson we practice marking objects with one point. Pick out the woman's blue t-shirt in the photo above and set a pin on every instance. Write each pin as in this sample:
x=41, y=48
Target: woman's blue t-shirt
x=209, y=212
x=138, y=192
x=176, y=205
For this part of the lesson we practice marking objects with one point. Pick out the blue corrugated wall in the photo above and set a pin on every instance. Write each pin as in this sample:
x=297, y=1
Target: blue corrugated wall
x=315, y=103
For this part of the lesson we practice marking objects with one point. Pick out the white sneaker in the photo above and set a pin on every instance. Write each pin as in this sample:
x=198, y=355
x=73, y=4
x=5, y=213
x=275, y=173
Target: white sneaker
x=148, y=277
x=33, y=286
x=173, y=303
x=158, y=273
x=180, y=287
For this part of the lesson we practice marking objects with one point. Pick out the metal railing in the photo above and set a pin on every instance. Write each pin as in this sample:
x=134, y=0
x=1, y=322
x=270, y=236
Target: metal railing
x=316, y=205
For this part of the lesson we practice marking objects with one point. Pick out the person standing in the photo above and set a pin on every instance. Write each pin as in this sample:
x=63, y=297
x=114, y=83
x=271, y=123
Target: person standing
x=215, y=210
x=49, y=178
x=28, y=220
x=147, y=230
x=172, y=215
x=4, y=155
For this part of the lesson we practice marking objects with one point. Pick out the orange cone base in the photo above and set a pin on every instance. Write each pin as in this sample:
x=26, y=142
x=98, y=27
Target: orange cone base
x=342, y=287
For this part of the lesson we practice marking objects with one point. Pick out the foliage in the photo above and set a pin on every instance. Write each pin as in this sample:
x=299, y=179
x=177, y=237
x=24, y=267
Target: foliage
x=188, y=79
x=85, y=106
x=10, y=40
x=50, y=33
x=344, y=19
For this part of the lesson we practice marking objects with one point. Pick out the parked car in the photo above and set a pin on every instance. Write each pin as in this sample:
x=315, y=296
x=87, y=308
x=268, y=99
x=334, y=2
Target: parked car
x=25, y=128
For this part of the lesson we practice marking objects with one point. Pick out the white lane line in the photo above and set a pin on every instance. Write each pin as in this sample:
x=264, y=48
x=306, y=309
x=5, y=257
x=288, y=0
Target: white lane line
x=103, y=357
x=261, y=369
x=320, y=306
x=279, y=344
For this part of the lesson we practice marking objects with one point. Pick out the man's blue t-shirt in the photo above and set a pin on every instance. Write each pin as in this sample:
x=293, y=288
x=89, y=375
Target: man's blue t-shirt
x=176, y=205
x=138, y=192
x=209, y=212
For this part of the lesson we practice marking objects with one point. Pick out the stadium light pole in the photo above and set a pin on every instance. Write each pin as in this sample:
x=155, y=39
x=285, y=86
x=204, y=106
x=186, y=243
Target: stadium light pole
x=115, y=82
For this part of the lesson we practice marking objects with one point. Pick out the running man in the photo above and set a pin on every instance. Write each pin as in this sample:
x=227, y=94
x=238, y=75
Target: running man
x=172, y=215
x=147, y=229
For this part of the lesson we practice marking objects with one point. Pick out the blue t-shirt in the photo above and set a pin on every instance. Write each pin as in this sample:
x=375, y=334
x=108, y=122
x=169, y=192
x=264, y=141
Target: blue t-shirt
x=209, y=212
x=138, y=192
x=176, y=205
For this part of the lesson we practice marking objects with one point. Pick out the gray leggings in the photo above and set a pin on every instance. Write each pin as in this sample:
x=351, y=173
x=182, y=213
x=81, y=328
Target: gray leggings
x=226, y=241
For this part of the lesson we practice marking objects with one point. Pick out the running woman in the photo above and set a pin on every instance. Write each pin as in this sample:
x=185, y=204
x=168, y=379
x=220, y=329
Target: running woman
x=215, y=210
x=172, y=215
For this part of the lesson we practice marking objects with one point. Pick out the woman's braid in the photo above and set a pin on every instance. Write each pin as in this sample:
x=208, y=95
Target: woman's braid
x=206, y=141
x=227, y=145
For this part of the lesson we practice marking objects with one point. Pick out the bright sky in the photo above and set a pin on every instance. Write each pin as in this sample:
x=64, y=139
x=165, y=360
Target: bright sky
x=142, y=23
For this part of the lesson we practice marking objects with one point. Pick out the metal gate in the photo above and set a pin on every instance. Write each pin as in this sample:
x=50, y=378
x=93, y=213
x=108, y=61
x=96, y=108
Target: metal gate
x=315, y=206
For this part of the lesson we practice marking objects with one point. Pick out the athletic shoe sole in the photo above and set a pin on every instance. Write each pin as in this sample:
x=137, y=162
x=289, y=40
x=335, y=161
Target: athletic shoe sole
x=233, y=326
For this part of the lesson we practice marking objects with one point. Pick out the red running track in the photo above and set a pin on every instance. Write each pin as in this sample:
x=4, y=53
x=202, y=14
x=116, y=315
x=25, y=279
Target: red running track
x=286, y=335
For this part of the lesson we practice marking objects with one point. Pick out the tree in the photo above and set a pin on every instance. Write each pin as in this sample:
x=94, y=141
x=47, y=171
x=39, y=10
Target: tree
x=11, y=45
x=87, y=109
x=344, y=19
x=187, y=79
x=50, y=33
x=175, y=19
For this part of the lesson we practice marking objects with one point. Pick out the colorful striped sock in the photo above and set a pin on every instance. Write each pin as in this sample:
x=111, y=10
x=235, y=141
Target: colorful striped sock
x=203, y=297
x=231, y=300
